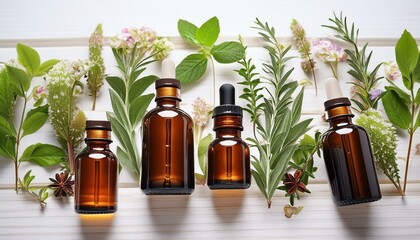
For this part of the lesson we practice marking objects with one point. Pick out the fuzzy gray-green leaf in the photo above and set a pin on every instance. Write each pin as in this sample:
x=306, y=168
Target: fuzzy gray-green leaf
x=202, y=152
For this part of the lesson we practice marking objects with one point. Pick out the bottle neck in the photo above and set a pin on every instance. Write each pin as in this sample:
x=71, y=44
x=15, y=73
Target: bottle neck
x=228, y=126
x=339, y=116
x=98, y=138
x=167, y=102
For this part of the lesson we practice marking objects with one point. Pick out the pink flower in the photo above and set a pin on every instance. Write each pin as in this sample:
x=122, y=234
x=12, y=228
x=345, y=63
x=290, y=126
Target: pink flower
x=39, y=92
x=352, y=91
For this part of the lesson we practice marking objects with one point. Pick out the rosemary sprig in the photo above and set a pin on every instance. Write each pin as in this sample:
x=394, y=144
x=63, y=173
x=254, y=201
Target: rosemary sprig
x=358, y=60
x=279, y=128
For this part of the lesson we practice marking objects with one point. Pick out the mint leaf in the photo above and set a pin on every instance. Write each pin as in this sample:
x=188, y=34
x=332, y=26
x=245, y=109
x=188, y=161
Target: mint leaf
x=29, y=58
x=35, y=119
x=407, y=54
x=43, y=154
x=191, y=68
x=187, y=31
x=208, y=33
x=396, y=110
x=45, y=67
x=228, y=52
x=19, y=79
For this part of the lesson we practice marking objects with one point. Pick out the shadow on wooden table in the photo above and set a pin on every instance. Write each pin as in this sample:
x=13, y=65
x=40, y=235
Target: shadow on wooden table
x=228, y=204
x=96, y=226
x=168, y=213
x=357, y=220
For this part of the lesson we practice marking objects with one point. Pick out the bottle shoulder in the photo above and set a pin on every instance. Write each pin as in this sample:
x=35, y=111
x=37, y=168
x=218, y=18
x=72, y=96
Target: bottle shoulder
x=228, y=142
x=86, y=152
x=167, y=112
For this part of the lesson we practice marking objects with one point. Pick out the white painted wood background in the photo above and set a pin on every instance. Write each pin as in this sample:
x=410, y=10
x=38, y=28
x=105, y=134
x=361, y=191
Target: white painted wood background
x=60, y=29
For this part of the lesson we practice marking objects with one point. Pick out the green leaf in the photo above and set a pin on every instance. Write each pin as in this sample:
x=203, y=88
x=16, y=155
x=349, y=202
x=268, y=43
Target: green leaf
x=203, y=145
x=6, y=127
x=119, y=109
x=417, y=123
x=29, y=58
x=406, y=53
x=416, y=71
x=187, y=31
x=19, y=79
x=125, y=161
x=27, y=179
x=396, y=110
x=45, y=67
x=8, y=146
x=140, y=86
x=228, y=52
x=403, y=95
x=208, y=33
x=117, y=84
x=35, y=119
x=191, y=68
x=7, y=98
x=138, y=108
x=43, y=154
x=417, y=99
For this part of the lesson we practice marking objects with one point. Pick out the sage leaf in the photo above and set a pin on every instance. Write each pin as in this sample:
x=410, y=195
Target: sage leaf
x=140, y=86
x=191, y=68
x=203, y=145
x=35, y=119
x=19, y=79
x=406, y=53
x=118, y=107
x=396, y=110
x=117, y=84
x=43, y=154
x=46, y=66
x=29, y=58
x=228, y=52
x=208, y=33
x=125, y=161
x=138, y=108
x=187, y=31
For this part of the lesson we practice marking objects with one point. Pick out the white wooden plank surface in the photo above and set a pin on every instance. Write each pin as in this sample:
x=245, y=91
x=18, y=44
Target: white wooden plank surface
x=59, y=29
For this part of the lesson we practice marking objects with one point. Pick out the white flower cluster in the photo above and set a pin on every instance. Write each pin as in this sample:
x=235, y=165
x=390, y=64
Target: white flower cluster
x=68, y=72
x=328, y=52
x=144, y=39
x=392, y=71
x=201, y=112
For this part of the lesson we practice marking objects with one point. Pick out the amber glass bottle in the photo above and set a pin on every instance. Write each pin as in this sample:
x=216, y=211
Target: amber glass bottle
x=228, y=154
x=348, y=157
x=168, y=147
x=96, y=172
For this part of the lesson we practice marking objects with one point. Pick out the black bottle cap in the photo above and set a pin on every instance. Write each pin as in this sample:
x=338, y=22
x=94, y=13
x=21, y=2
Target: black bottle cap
x=95, y=124
x=335, y=102
x=227, y=102
x=168, y=82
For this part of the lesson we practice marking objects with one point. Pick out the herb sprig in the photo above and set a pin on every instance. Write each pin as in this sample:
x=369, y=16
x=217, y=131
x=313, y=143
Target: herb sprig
x=275, y=134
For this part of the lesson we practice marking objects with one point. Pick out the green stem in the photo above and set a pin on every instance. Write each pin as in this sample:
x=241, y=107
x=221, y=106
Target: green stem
x=313, y=75
x=333, y=69
x=411, y=132
x=18, y=138
x=214, y=81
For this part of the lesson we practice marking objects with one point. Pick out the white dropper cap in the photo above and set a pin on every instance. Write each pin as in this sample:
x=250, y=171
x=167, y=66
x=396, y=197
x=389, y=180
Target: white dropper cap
x=332, y=87
x=168, y=68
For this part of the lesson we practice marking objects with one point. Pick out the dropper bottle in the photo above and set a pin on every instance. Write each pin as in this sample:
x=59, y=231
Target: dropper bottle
x=347, y=152
x=228, y=154
x=168, y=147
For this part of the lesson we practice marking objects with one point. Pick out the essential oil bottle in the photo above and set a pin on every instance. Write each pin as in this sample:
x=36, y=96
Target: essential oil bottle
x=347, y=153
x=96, y=172
x=228, y=154
x=168, y=147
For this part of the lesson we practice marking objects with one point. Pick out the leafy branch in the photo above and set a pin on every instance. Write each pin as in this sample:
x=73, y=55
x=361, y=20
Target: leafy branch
x=24, y=186
x=15, y=83
x=401, y=107
x=366, y=83
x=194, y=66
x=358, y=60
x=279, y=129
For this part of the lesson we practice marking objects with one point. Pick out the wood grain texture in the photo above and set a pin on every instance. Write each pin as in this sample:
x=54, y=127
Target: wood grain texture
x=210, y=214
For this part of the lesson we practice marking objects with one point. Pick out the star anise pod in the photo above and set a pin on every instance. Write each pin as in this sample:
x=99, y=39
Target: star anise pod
x=293, y=183
x=62, y=184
